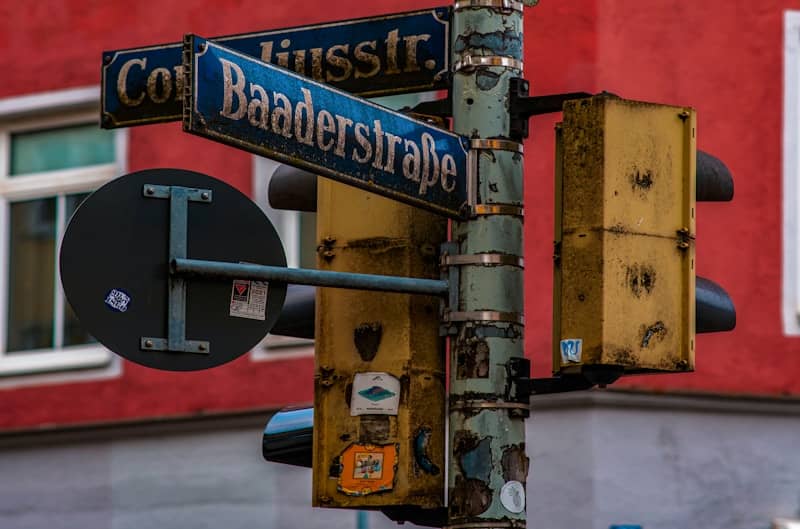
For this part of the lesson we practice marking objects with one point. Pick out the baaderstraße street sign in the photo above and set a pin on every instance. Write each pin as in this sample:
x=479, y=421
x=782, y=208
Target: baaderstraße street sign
x=390, y=54
x=271, y=111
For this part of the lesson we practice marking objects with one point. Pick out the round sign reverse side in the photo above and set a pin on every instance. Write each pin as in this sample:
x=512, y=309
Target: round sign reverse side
x=115, y=259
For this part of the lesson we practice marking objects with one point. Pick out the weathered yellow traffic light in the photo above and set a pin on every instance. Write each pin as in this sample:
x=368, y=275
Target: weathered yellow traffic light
x=624, y=285
x=379, y=384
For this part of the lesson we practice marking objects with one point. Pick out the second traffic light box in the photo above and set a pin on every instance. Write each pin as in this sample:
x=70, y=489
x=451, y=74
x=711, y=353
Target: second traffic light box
x=624, y=281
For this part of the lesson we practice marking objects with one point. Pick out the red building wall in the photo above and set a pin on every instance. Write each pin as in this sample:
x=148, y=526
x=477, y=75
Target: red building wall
x=723, y=58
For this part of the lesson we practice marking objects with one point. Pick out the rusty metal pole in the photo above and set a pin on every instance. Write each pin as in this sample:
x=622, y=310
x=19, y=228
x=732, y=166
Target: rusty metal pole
x=488, y=466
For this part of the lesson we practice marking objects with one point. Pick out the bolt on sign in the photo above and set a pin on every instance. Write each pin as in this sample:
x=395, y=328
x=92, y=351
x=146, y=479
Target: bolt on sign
x=270, y=111
x=390, y=54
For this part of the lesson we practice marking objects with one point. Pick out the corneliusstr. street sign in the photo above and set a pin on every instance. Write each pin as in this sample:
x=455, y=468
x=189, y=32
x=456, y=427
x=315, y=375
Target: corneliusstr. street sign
x=271, y=111
x=391, y=54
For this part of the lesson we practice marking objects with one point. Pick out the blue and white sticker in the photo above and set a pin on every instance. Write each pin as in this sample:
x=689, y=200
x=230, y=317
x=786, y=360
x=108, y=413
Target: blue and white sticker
x=375, y=394
x=118, y=300
x=571, y=350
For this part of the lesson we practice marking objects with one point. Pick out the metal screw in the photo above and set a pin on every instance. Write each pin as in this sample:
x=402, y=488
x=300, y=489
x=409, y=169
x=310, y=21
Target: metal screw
x=107, y=59
x=204, y=196
x=201, y=47
x=684, y=114
x=149, y=190
x=201, y=347
x=148, y=343
x=682, y=364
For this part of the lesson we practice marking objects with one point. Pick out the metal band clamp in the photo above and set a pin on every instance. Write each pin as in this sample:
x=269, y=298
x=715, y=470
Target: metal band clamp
x=487, y=259
x=488, y=405
x=496, y=144
x=473, y=61
x=504, y=5
x=485, y=315
x=498, y=209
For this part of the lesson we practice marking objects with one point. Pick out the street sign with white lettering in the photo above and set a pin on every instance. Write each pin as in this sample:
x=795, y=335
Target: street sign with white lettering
x=390, y=54
x=271, y=111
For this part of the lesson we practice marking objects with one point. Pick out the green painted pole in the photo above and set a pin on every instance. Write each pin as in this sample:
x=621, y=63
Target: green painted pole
x=488, y=466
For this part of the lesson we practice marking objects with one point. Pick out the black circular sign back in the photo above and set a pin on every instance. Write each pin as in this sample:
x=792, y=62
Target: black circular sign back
x=115, y=268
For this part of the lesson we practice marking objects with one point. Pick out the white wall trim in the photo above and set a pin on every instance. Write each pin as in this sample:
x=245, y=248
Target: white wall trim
x=54, y=101
x=791, y=173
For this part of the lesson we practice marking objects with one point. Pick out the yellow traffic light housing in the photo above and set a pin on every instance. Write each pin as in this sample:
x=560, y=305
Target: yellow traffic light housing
x=379, y=384
x=624, y=285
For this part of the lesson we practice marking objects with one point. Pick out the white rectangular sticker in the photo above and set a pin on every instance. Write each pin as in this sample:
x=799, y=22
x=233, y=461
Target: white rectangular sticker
x=249, y=299
x=375, y=393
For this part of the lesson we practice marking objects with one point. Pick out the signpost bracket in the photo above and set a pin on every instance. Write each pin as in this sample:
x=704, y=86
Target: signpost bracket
x=179, y=198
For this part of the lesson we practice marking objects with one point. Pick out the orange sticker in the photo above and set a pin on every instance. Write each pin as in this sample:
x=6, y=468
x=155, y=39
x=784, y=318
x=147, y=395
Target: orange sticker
x=367, y=469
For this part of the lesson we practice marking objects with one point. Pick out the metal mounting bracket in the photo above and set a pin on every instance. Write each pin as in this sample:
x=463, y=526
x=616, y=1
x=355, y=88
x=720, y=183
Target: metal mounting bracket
x=179, y=198
x=522, y=106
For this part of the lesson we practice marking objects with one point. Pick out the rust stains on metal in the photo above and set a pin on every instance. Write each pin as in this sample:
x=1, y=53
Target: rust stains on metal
x=657, y=331
x=378, y=245
x=367, y=339
x=472, y=358
x=641, y=179
x=623, y=356
x=469, y=497
x=486, y=80
x=641, y=279
x=374, y=429
x=515, y=463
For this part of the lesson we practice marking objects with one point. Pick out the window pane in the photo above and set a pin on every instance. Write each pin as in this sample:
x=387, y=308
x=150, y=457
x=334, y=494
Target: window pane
x=308, y=240
x=62, y=148
x=31, y=274
x=74, y=333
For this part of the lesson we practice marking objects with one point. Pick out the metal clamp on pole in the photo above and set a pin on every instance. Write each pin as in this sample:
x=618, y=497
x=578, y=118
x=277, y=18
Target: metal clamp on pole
x=485, y=315
x=500, y=5
x=469, y=62
x=486, y=144
x=482, y=259
x=488, y=405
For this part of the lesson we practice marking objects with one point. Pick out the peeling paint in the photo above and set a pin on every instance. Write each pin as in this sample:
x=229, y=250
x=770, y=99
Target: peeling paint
x=472, y=358
x=374, y=429
x=476, y=463
x=367, y=338
x=486, y=79
x=515, y=463
x=507, y=42
x=641, y=279
x=469, y=497
x=657, y=331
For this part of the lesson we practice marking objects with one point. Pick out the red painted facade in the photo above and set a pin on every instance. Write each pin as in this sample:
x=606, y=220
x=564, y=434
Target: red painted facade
x=724, y=60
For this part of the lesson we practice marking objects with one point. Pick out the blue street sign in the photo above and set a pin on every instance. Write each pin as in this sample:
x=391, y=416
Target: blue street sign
x=391, y=54
x=271, y=111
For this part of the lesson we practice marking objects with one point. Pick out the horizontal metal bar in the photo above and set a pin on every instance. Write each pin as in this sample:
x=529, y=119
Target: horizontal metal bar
x=301, y=276
x=184, y=346
x=192, y=195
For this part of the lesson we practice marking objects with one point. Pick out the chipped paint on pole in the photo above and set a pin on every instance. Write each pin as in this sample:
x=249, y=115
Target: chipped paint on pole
x=488, y=466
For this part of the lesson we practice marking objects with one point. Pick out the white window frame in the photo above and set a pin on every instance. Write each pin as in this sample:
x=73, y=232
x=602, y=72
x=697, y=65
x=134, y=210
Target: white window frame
x=287, y=224
x=40, y=112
